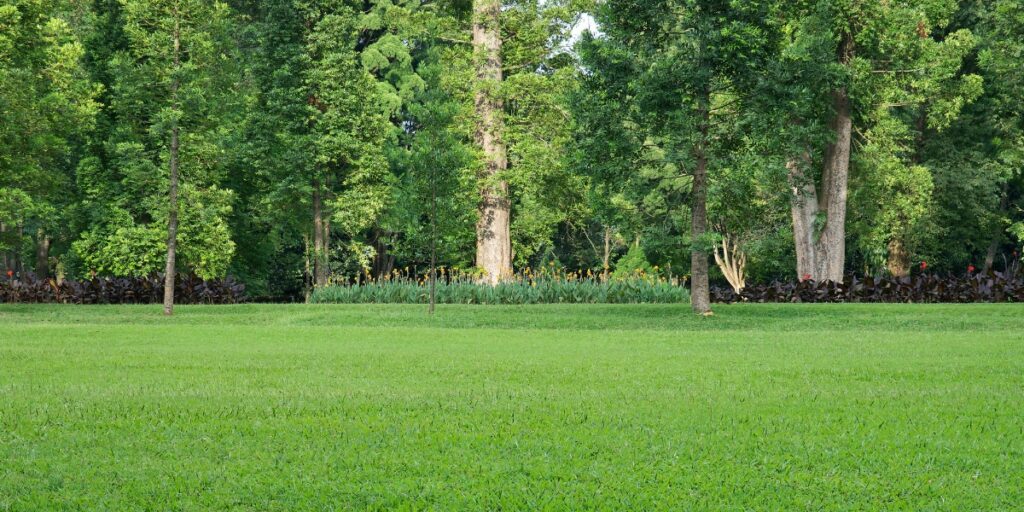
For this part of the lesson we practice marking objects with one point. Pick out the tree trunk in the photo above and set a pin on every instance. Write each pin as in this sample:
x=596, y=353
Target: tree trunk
x=997, y=235
x=307, y=275
x=327, y=247
x=700, y=290
x=607, y=260
x=831, y=244
x=6, y=255
x=172, y=217
x=898, y=262
x=804, y=210
x=319, y=242
x=42, y=254
x=383, y=261
x=819, y=215
x=19, y=266
x=493, y=236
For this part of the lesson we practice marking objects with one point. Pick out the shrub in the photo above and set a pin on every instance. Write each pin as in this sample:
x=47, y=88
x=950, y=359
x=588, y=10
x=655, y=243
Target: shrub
x=188, y=289
x=923, y=288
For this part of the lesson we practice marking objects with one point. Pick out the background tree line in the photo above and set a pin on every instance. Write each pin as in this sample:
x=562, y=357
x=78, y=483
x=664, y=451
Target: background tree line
x=289, y=141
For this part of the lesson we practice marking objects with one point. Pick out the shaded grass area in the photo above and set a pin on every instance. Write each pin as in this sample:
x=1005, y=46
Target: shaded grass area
x=743, y=317
x=852, y=407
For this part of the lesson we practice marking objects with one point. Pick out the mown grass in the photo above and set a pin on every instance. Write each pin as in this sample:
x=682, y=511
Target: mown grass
x=771, y=407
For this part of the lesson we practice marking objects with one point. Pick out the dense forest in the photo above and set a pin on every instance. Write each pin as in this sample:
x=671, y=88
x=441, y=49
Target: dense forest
x=292, y=143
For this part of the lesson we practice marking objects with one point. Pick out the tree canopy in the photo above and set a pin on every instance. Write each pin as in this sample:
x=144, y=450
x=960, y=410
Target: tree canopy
x=317, y=141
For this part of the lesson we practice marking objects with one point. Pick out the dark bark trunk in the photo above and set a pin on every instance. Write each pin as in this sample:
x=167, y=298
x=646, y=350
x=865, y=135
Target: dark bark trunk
x=6, y=255
x=307, y=275
x=172, y=228
x=42, y=254
x=383, y=261
x=997, y=235
x=19, y=265
x=700, y=293
x=494, y=240
x=172, y=217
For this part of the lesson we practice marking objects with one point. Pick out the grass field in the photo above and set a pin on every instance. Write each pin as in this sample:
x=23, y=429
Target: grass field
x=774, y=407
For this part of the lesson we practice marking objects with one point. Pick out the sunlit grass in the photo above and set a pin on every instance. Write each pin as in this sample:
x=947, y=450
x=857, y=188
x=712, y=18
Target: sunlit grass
x=781, y=407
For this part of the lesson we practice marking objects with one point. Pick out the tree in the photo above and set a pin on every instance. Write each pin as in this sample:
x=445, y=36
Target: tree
x=867, y=62
x=494, y=239
x=692, y=55
x=49, y=105
x=172, y=107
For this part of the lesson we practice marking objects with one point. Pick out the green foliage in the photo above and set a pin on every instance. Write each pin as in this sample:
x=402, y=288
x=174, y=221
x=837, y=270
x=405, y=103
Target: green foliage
x=542, y=287
x=632, y=264
x=374, y=100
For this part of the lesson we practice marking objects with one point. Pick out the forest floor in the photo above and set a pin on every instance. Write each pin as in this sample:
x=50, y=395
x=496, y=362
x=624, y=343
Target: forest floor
x=265, y=407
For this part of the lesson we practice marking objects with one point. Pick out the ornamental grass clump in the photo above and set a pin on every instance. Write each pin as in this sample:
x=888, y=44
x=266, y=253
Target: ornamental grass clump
x=545, y=286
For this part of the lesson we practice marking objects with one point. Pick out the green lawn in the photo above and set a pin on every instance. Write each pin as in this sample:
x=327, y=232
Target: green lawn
x=775, y=407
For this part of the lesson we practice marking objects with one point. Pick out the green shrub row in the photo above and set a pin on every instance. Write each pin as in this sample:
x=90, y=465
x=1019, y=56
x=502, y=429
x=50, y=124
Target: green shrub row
x=541, y=291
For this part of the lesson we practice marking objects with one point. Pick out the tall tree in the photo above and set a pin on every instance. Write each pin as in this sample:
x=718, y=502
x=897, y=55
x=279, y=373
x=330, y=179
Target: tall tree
x=494, y=239
x=171, y=107
x=844, y=67
x=49, y=107
x=692, y=57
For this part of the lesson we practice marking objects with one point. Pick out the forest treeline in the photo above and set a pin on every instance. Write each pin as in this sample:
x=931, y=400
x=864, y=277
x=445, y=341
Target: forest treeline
x=286, y=142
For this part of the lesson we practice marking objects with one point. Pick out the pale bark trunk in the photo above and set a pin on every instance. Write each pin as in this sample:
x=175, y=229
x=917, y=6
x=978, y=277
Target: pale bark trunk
x=493, y=246
x=172, y=217
x=700, y=288
x=804, y=210
x=319, y=242
x=42, y=254
x=831, y=244
x=732, y=261
x=819, y=215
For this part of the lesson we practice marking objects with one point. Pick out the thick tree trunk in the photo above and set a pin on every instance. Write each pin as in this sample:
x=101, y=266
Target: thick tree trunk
x=172, y=217
x=42, y=254
x=831, y=245
x=493, y=236
x=804, y=210
x=319, y=241
x=700, y=289
x=819, y=214
x=898, y=261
